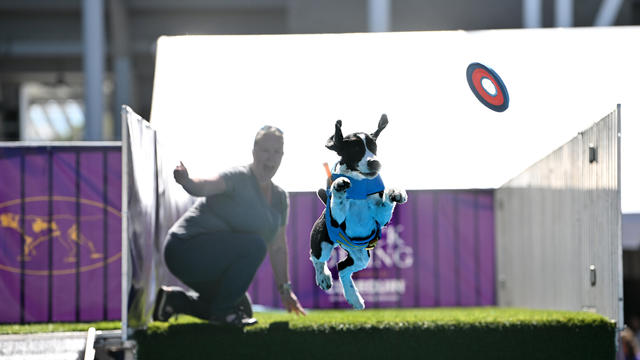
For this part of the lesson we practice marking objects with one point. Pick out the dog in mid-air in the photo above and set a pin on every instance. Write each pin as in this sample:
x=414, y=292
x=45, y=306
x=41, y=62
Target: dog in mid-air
x=357, y=207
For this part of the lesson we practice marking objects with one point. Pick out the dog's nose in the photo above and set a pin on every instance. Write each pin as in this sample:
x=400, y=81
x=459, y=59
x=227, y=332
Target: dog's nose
x=373, y=165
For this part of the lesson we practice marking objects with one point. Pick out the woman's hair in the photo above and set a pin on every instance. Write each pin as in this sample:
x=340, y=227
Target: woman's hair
x=267, y=129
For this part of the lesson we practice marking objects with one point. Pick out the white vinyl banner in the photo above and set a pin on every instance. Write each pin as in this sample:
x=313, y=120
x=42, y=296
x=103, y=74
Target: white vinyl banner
x=212, y=93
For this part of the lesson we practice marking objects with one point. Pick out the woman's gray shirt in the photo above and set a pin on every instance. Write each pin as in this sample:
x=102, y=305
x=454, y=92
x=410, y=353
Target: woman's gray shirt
x=240, y=208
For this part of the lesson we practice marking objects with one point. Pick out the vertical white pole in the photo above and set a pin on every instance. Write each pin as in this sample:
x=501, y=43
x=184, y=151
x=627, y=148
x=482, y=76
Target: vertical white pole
x=379, y=15
x=89, y=351
x=124, y=257
x=531, y=13
x=620, y=320
x=93, y=64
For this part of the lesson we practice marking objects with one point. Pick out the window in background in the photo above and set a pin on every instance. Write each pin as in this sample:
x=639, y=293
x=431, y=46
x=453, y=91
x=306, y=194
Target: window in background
x=55, y=112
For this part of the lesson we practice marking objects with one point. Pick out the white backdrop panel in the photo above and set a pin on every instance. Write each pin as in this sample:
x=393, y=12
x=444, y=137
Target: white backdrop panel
x=212, y=93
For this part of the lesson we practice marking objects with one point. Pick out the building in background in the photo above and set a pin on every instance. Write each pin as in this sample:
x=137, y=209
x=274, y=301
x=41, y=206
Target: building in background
x=42, y=61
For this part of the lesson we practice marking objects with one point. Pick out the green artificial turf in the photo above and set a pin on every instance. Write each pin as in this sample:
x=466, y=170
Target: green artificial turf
x=56, y=327
x=412, y=318
x=437, y=333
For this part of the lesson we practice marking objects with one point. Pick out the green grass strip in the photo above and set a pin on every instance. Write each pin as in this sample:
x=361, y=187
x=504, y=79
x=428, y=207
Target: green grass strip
x=437, y=333
x=57, y=327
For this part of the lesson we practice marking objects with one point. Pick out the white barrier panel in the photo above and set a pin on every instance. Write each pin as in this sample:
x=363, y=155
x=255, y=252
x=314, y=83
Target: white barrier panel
x=212, y=93
x=141, y=239
x=558, y=228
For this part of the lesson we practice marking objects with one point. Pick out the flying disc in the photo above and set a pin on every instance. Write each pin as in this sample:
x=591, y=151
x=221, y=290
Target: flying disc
x=488, y=87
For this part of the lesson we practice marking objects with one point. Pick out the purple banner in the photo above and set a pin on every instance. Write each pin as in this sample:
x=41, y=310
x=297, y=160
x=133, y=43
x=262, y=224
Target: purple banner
x=438, y=250
x=60, y=233
x=60, y=238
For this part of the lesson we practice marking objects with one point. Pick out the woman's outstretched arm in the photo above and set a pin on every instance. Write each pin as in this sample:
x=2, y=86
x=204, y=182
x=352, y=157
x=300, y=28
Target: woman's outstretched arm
x=198, y=187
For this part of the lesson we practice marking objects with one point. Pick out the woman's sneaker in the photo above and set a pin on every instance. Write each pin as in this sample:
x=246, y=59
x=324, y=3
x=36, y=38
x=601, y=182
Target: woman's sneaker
x=162, y=310
x=236, y=318
x=245, y=305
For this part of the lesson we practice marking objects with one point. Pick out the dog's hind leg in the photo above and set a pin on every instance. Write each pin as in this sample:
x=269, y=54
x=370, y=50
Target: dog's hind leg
x=356, y=261
x=321, y=247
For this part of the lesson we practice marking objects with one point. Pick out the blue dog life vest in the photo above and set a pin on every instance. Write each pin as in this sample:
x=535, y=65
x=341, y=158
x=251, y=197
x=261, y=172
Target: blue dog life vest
x=359, y=190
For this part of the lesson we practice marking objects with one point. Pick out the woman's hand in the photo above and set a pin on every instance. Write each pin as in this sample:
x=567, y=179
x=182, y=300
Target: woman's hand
x=197, y=186
x=180, y=174
x=291, y=303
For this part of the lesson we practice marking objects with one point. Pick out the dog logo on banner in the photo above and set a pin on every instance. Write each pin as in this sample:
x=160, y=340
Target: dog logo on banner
x=61, y=228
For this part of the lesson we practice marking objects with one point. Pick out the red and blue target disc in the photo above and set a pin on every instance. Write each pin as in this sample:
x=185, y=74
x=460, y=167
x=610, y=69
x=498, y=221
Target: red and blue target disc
x=488, y=87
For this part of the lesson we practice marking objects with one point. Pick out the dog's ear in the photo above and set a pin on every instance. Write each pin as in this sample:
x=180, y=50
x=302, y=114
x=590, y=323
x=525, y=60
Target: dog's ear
x=335, y=141
x=381, y=125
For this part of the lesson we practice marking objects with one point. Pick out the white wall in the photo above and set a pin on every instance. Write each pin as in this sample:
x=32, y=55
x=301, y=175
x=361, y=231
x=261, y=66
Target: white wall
x=559, y=218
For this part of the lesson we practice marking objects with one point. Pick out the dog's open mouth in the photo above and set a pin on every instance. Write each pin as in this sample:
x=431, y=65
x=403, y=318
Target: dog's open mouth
x=371, y=174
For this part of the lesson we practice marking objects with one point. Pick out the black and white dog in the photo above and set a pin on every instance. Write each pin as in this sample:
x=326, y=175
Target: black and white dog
x=358, y=206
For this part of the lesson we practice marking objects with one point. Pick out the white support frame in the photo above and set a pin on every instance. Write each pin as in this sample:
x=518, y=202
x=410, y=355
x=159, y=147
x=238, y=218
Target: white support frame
x=620, y=320
x=124, y=276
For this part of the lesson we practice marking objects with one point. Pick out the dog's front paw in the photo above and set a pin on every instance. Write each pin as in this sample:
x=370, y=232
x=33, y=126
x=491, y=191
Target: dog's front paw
x=341, y=184
x=398, y=196
x=323, y=275
x=324, y=280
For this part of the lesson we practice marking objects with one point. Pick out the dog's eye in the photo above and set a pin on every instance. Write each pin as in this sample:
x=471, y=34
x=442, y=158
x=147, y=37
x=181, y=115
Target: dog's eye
x=371, y=145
